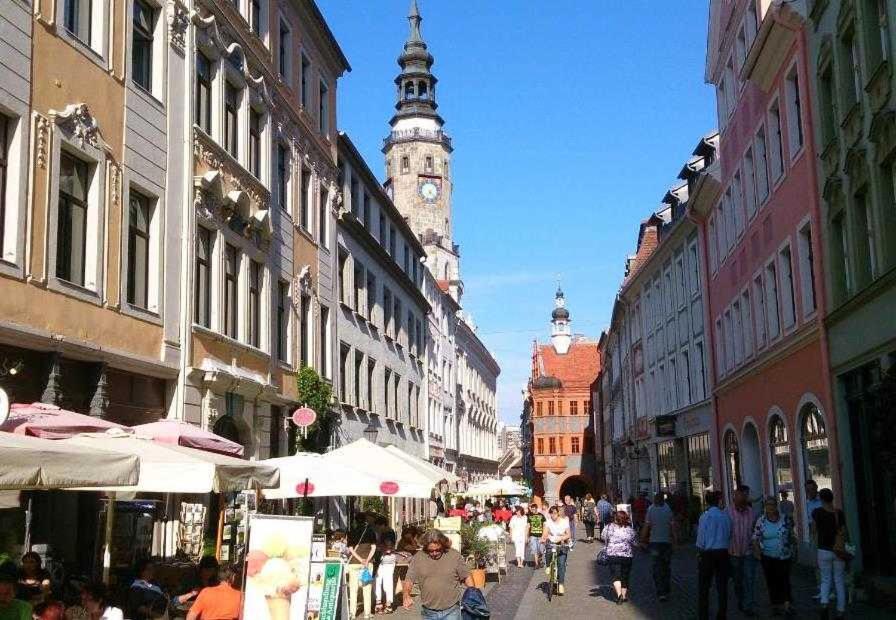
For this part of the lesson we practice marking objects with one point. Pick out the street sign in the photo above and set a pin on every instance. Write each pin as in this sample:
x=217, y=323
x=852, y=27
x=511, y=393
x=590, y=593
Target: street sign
x=303, y=417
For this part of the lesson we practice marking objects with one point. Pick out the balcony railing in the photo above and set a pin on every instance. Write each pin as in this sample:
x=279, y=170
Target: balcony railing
x=412, y=135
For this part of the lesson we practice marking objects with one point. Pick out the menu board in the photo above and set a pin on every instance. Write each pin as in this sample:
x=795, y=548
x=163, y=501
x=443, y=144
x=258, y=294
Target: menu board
x=278, y=566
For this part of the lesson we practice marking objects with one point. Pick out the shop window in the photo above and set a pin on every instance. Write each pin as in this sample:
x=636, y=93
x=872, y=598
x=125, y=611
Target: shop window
x=814, y=444
x=779, y=447
x=732, y=461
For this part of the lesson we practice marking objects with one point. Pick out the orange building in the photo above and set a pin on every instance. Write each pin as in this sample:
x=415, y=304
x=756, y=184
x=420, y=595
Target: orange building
x=561, y=421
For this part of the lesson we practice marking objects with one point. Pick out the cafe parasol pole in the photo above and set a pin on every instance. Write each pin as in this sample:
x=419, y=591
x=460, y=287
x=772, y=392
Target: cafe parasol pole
x=107, y=545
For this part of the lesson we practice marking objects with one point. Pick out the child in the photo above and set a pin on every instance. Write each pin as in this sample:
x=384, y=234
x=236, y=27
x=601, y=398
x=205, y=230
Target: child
x=338, y=545
x=384, y=578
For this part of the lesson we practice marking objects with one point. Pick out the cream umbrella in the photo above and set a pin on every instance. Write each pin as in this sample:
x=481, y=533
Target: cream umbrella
x=33, y=463
x=307, y=474
x=391, y=476
x=424, y=466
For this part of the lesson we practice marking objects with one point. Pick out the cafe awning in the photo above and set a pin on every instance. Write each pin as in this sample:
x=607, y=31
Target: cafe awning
x=424, y=466
x=51, y=422
x=180, y=433
x=391, y=475
x=175, y=469
x=33, y=463
x=307, y=474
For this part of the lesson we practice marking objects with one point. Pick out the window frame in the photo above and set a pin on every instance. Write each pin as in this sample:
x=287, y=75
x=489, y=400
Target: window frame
x=205, y=264
x=145, y=203
x=147, y=37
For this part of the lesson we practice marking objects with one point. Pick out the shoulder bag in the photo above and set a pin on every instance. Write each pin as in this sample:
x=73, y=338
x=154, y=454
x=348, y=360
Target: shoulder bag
x=842, y=549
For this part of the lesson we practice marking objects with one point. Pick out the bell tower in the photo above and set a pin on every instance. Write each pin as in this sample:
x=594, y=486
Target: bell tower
x=418, y=158
x=561, y=334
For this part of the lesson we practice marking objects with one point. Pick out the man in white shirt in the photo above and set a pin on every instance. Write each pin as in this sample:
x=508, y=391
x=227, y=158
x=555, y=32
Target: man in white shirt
x=556, y=531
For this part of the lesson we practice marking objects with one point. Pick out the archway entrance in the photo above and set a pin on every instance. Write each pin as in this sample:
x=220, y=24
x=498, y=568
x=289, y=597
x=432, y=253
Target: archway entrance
x=575, y=486
x=751, y=465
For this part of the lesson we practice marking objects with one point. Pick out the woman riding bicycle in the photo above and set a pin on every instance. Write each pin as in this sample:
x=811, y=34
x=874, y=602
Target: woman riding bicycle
x=557, y=535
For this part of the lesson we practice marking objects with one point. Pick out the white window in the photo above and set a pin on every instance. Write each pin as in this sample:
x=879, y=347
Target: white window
x=720, y=348
x=323, y=111
x=146, y=46
x=807, y=269
x=85, y=22
x=728, y=332
x=731, y=93
x=794, y=113
x=713, y=245
x=866, y=247
x=13, y=179
x=143, y=256
x=740, y=50
x=700, y=374
x=776, y=146
x=694, y=264
x=759, y=313
x=747, y=320
x=738, y=333
x=284, y=52
x=305, y=82
x=749, y=184
x=325, y=335
x=785, y=269
x=737, y=205
x=761, y=168
x=280, y=191
x=722, y=102
x=771, y=300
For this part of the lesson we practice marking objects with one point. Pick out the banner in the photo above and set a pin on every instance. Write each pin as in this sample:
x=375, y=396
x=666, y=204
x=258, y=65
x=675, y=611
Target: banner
x=277, y=567
x=323, y=590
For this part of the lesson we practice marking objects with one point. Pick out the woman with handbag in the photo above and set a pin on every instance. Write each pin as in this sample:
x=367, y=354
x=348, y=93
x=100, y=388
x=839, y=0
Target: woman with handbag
x=362, y=547
x=620, y=540
x=830, y=530
x=774, y=544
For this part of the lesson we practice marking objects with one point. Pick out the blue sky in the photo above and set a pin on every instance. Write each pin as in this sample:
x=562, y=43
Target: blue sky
x=570, y=119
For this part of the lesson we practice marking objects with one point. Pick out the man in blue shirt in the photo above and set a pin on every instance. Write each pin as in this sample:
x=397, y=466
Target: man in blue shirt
x=713, y=538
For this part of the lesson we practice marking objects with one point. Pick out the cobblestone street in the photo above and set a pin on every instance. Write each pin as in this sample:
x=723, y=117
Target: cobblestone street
x=521, y=594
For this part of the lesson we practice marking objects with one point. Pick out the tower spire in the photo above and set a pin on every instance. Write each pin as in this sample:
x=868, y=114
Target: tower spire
x=415, y=20
x=561, y=336
x=416, y=83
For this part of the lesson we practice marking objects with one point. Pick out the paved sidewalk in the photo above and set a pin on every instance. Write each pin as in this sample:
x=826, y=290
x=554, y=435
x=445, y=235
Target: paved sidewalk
x=589, y=593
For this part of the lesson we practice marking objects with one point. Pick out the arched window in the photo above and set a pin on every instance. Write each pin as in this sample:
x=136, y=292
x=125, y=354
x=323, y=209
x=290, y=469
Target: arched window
x=779, y=447
x=408, y=90
x=816, y=455
x=732, y=461
x=422, y=90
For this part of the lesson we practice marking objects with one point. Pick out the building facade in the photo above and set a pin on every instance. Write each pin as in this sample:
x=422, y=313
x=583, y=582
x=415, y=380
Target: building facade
x=850, y=71
x=259, y=280
x=666, y=418
x=765, y=284
x=561, y=420
x=441, y=360
x=382, y=314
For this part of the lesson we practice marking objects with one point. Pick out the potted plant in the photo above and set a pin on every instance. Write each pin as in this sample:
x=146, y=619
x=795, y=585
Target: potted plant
x=476, y=550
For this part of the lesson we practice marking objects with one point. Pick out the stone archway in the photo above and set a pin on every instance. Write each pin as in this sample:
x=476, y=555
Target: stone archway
x=575, y=485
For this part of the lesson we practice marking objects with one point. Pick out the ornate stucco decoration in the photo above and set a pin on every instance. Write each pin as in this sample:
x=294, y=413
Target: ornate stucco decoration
x=233, y=176
x=856, y=167
x=77, y=122
x=883, y=133
x=43, y=140
x=115, y=180
x=302, y=283
x=210, y=39
x=178, y=22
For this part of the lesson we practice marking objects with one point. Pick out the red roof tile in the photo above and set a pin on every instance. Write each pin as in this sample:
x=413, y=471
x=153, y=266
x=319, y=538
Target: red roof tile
x=577, y=368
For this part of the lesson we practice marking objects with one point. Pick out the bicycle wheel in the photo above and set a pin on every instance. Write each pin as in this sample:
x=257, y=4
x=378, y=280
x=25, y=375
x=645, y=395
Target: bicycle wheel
x=552, y=578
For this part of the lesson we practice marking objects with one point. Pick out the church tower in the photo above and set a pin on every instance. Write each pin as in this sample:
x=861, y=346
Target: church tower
x=418, y=158
x=561, y=336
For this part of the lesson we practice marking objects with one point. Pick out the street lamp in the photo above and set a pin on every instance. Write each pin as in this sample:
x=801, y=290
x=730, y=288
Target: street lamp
x=370, y=432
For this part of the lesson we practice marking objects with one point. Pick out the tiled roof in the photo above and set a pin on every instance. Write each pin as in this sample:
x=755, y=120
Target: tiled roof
x=579, y=367
x=647, y=244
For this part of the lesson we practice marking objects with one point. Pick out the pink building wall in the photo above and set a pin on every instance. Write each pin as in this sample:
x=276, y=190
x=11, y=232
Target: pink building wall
x=790, y=371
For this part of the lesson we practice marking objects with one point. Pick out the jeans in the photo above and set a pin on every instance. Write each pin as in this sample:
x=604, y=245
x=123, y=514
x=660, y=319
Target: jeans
x=743, y=571
x=452, y=613
x=661, y=555
x=536, y=550
x=713, y=566
x=561, y=561
x=832, y=568
x=385, y=584
x=589, y=529
x=572, y=531
x=777, y=579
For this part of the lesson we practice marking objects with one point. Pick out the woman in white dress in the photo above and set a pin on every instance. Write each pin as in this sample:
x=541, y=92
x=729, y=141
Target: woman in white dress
x=519, y=534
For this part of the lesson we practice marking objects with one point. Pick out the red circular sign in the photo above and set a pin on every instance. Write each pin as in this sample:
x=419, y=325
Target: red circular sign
x=304, y=417
x=389, y=488
x=305, y=488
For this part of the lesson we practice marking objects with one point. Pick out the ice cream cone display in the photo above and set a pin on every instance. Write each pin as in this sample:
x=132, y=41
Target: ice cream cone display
x=277, y=568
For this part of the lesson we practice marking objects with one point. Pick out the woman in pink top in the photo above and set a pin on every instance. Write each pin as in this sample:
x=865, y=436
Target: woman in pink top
x=620, y=541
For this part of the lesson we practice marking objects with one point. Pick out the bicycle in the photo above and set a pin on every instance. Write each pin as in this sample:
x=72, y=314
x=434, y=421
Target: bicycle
x=553, y=550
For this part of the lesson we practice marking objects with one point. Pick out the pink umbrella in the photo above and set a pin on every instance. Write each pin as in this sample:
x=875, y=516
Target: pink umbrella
x=51, y=422
x=185, y=434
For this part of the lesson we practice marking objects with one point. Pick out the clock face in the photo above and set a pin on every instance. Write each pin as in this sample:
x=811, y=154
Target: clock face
x=429, y=190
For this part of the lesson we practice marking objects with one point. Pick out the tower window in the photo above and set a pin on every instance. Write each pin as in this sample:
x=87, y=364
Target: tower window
x=408, y=90
x=422, y=90
x=405, y=164
x=427, y=166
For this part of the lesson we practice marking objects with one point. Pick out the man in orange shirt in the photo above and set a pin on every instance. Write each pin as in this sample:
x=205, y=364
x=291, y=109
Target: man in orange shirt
x=221, y=602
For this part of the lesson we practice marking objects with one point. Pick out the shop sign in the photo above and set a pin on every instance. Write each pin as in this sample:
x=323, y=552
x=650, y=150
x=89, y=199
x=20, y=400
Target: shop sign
x=303, y=417
x=665, y=426
x=329, y=597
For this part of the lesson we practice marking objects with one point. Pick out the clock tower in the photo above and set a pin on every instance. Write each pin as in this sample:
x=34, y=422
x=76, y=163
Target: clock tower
x=418, y=158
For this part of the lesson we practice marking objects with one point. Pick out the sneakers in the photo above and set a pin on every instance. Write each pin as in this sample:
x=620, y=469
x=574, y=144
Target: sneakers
x=560, y=589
